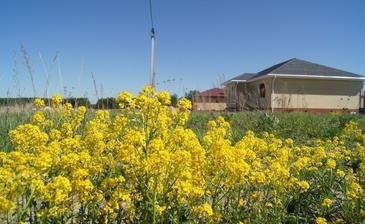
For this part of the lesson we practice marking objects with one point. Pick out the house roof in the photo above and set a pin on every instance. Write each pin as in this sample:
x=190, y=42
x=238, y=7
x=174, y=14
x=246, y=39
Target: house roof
x=213, y=92
x=296, y=68
x=241, y=78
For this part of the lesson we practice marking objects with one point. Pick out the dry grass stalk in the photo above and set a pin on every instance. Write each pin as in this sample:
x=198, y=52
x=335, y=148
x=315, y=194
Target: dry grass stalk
x=29, y=67
x=16, y=75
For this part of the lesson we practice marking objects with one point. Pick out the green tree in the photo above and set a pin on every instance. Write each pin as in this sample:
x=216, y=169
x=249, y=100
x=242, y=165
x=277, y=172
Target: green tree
x=107, y=103
x=190, y=95
x=174, y=100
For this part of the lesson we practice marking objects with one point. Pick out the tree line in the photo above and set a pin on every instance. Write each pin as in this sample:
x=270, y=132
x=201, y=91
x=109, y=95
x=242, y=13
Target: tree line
x=103, y=103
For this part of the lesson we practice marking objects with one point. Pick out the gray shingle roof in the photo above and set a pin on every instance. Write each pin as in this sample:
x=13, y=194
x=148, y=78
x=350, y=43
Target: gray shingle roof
x=241, y=78
x=296, y=68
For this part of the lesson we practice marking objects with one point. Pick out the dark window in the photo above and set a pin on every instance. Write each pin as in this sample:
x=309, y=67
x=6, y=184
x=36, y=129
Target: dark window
x=262, y=90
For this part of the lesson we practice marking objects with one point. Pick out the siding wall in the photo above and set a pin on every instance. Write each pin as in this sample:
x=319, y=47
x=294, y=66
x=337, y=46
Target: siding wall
x=261, y=100
x=209, y=106
x=317, y=94
x=312, y=95
x=237, y=95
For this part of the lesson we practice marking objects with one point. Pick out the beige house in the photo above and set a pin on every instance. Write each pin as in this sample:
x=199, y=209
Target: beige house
x=210, y=100
x=297, y=85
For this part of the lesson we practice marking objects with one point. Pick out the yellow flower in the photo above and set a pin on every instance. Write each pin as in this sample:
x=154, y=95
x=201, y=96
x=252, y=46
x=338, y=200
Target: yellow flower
x=326, y=203
x=164, y=98
x=56, y=101
x=355, y=191
x=38, y=103
x=184, y=104
x=66, y=130
x=289, y=142
x=6, y=205
x=57, y=191
x=148, y=90
x=256, y=196
x=362, y=213
x=302, y=186
x=160, y=209
x=27, y=137
x=331, y=164
x=55, y=135
x=125, y=99
x=205, y=210
x=38, y=118
x=80, y=112
x=144, y=156
x=43, y=161
x=321, y=220
x=340, y=173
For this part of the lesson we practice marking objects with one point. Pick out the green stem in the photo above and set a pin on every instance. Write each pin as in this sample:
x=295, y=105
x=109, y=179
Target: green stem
x=27, y=205
x=154, y=206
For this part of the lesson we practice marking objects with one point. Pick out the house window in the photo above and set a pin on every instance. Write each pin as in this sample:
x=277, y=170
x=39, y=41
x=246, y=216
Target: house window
x=262, y=90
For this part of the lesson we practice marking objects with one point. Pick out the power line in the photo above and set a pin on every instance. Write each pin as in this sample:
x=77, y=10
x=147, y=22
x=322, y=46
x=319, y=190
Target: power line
x=151, y=14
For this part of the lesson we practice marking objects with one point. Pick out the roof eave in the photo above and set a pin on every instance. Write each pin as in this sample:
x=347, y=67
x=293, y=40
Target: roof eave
x=318, y=77
x=234, y=81
x=258, y=78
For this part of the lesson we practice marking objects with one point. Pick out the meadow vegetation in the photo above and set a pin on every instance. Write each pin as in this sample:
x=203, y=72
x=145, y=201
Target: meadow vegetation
x=303, y=128
x=146, y=163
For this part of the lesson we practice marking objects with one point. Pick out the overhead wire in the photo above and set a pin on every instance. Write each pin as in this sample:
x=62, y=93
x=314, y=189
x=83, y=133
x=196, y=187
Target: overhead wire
x=151, y=15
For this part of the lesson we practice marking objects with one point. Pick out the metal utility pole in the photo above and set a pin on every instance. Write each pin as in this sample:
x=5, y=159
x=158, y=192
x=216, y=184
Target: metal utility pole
x=152, y=80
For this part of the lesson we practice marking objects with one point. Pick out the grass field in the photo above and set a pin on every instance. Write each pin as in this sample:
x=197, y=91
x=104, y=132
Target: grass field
x=303, y=128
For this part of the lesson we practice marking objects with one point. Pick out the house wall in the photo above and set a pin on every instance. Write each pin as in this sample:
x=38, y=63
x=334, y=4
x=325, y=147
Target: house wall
x=311, y=95
x=210, y=99
x=207, y=106
x=237, y=95
x=317, y=95
x=258, y=96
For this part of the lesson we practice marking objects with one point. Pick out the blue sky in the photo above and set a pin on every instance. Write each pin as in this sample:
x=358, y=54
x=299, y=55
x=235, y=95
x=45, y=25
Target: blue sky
x=199, y=43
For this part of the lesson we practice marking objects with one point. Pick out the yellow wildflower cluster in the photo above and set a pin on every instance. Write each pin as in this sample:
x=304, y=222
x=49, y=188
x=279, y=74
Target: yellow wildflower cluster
x=144, y=166
x=321, y=220
x=326, y=203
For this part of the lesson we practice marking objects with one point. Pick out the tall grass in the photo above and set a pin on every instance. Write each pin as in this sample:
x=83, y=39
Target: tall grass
x=9, y=121
x=303, y=128
x=15, y=115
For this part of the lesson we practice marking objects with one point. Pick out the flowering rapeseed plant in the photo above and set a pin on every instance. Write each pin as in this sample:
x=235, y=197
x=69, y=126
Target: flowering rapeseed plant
x=144, y=166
